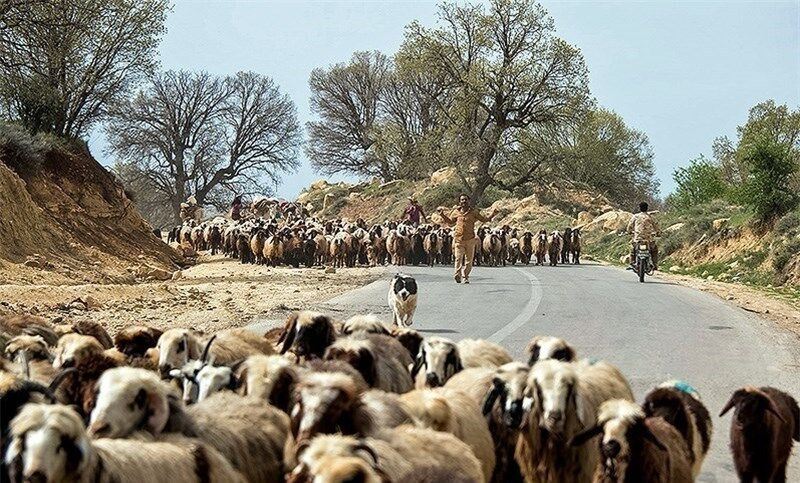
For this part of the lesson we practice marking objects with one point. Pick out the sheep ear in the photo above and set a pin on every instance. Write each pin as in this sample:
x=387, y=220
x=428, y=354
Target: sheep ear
x=584, y=408
x=157, y=411
x=585, y=435
x=733, y=401
x=362, y=446
x=289, y=330
x=648, y=435
x=774, y=410
x=534, y=350
x=491, y=397
x=418, y=363
x=366, y=366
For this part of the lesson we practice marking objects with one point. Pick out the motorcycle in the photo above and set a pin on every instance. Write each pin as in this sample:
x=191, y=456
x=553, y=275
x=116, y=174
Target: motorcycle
x=644, y=261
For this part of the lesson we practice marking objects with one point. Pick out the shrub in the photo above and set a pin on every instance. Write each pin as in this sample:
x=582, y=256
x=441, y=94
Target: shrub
x=789, y=224
x=784, y=254
x=767, y=189
x=22, y=152
x=700, y=182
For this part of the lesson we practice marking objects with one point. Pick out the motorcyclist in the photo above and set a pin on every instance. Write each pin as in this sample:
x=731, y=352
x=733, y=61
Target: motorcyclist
x=644, y=228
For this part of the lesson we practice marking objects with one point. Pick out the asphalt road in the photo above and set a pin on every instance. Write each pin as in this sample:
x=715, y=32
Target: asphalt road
x=653, y=332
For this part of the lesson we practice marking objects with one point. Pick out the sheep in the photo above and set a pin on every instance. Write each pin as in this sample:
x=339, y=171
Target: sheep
x=381, y=360
x=14, y=325
x=397, y=246
x=307, y=334
x=32, y=358
x=16, y=392
x=273, y=251
x=365, y=323
x=679, y=405
x=250, y=434
x=482, y=353
x=49, y=443
x=554, y=248
x=93, y=329
x=765, y=421
x=77, y=385
x=491, y=248
x=433, y=246
x=443, y=358
x=396, y=455
x=563, y=398
x=541, y=247
x=634, y=447
x=500, y=392
x=176, y=347
x=575, y=246
x=566, y=245
x=73, y=347
x=545, y=347
x=526, y=247
x=134, y=341
x=333, y=402
x=451, y=411
x=330, y=469
x=514, y=251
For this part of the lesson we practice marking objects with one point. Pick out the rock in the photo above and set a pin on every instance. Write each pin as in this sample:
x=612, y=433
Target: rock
x=326, y=201
x=153, y=273
x=76, y=305
x=733, y=264
x=390, y=183
x=92, y=303
x=584, y=218
x=730, y=297
x=35, y=261
x=720, y=223
x=675, y=269
x=615, y=220
x=330, y=270
x=710, y=278
x=320, y=184
x=177, y=275
x=443, y=175
x=674, y=228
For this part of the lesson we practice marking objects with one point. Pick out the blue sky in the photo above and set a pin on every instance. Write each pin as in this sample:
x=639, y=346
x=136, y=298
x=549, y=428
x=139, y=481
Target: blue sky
x=683, y=72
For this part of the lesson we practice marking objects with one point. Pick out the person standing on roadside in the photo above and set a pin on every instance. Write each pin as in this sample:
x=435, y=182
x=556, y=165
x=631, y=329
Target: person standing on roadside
x=414, y=212
x=464, y=217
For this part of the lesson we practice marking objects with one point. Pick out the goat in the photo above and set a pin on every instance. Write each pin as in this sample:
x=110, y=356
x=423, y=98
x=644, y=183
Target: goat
x=541, y=247
x=575, y=246
x=49, y=443
x=554, y=248
x=563, y=398
x=566, y=245
x=765, y=421
x=526, y=247
x=678, y=404
x=633, y=447
x=250, y=434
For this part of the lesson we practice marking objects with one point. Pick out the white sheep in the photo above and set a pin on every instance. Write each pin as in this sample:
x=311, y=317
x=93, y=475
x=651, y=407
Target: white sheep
x=563, y=398
x=251, y=434
x=49, y=443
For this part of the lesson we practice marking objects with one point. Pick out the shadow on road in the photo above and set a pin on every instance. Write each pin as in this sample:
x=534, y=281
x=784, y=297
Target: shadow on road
x=439, y=331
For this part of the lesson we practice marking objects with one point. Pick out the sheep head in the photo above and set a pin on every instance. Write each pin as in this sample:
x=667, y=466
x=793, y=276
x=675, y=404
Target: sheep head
x=358, y=353
x=307, y=334
x=176, y=347
x=364, y=323
x=552, y=385
x=72, y=348
x=622, y=427
x=440, y=359
x=270, y=378
x=751, y=405
x=328, y=403
x=48, y=443
x=314, y=453
x=31, y=347
x=546, y=347
x=508, y=389
x=129, y=399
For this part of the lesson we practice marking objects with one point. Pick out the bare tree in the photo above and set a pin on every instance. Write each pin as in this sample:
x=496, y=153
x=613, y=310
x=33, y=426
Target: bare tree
x=63, y=61
x=193, y=133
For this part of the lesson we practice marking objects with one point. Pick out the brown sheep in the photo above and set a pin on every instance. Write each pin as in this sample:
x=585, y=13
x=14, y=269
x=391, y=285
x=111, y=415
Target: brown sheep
x=381, y=360
x=765, y=422
x=307, y=334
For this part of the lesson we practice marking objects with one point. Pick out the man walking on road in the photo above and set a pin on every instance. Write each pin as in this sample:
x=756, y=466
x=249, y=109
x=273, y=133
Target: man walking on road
x=464, y=217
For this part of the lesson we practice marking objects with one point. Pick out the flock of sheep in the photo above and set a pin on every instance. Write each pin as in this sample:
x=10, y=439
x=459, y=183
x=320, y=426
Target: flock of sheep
x=311, y=241
x=322, y=401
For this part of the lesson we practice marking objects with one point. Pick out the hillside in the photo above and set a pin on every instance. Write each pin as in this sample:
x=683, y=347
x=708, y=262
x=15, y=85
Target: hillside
x=65, y=219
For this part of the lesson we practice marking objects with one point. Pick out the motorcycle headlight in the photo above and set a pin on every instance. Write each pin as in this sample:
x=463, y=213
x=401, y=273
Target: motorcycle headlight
x=643, y=247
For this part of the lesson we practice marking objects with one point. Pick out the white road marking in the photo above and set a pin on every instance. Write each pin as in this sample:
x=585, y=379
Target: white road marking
x=527, y=312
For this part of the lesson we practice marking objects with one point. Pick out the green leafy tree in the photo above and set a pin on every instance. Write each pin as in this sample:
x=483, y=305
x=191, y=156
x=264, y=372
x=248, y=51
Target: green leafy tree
x=699, y=182
x=768, y=187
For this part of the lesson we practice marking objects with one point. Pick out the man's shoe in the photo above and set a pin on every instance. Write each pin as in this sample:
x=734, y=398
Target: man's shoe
x=457, y=278
x=466, y=280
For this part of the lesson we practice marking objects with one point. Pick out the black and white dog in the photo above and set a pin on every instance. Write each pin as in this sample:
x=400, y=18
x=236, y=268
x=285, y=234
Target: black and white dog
x=403, y=299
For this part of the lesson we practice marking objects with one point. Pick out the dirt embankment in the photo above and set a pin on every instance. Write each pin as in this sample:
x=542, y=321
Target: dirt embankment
x=69, y=221
x=217, y=293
